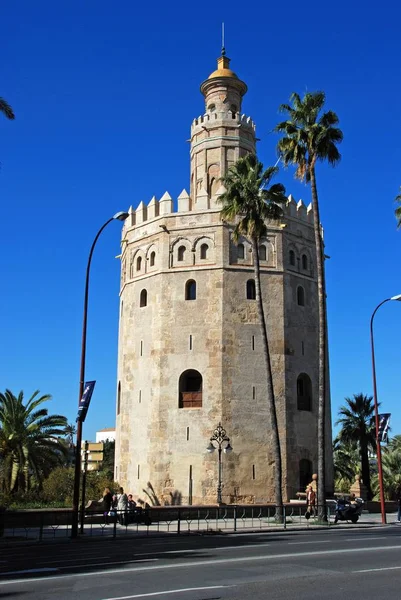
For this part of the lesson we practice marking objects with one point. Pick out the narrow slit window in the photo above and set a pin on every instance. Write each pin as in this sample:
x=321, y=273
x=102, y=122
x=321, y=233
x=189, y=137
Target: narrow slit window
x=187, y=434
x=303, y=348
x=253, y=342
x=253, y=472
x=143, y=299
x=253, y=392
x=152, y=259
x=139, y=471
x=250, y=289
x=292, y=258
x=140, y=396
x=141, y=347
x=139, y=263
x=190, y=342
x=300, y=296
x=304, y=262
x=190, y=290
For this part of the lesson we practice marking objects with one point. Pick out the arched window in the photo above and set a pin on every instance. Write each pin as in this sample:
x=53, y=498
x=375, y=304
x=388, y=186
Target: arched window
x=152, y=259
x=262, y=252
x=300, y=296
x=233, y=109
x=181, y=253
x=211, y=107
x=304, y=392
x=190, y=389
x=292, y=258
x=190, y=290
x=139, y=263
x=240, y=251
x=119, y=398
x=203, y=251
x=305, y=473
x=143, y=301
x=304, y=262
x=250, y=290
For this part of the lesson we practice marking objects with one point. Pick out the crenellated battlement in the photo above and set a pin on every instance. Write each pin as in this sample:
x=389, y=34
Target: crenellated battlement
x=165, y=206
x=298, y=210
x=240, y=120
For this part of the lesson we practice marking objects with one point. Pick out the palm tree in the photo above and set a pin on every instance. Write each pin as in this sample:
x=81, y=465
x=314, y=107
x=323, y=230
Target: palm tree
x=346, y=462
x=29, y=446
x=309, y=137
x=69, y=431
x=358, y=430
x=6, y=109
x=397, y=211
x=250, y=201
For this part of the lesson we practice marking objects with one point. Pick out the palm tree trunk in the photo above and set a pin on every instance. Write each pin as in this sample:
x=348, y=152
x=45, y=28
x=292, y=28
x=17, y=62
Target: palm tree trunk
x=321, y=448
x=270, y=389
x=365, y=468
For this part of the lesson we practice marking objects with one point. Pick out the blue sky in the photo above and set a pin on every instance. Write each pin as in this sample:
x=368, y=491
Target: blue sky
x=104, y=95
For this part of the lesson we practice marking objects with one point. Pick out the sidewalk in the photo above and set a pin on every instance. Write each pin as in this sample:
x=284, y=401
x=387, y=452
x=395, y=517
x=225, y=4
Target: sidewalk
x=193, y=527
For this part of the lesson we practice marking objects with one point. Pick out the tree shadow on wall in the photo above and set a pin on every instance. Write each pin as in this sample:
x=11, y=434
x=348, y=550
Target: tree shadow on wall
x=175, y=497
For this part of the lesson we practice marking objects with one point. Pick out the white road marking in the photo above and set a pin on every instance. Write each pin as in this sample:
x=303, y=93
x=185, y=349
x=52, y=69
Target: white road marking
x=362, y=539
x=371, y=570
x=212, y=562
x=212, y=587
x=315, y=542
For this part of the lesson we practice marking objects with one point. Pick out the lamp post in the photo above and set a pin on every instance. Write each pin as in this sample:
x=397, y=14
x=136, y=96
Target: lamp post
x=378, y=448
x=220, y=436
x=120, y=216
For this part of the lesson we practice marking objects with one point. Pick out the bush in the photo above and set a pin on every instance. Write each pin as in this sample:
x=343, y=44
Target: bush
x=59, y=486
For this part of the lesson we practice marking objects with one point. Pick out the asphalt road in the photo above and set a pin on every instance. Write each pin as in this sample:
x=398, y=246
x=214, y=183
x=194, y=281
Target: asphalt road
x=358, y=563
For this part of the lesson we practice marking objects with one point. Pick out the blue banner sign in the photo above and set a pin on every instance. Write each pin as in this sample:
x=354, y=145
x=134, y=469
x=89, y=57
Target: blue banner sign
x=85, y=400
x=384, y=426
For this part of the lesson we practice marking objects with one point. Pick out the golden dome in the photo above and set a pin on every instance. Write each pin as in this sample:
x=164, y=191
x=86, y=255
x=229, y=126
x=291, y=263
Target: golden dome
x=223, y=69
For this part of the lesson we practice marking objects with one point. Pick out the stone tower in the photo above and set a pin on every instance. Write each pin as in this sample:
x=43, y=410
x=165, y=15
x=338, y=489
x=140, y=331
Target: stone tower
x=190, y=349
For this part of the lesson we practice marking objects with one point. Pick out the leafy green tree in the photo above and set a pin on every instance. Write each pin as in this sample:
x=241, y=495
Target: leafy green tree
x=29, y=444
x=310, y=136
x=109, y=448
x=398, y=209
x=391, y=469
x=357, y=422
x=6, y=109
x=59, y=486
x=250, y=201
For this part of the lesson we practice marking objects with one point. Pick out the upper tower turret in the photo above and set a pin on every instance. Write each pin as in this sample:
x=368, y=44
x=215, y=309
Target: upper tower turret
x=221, y=135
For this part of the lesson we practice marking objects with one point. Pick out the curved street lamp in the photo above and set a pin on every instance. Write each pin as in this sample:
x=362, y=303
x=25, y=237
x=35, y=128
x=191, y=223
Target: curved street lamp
x=220, y=436
x=120, y=216
x=378, y=448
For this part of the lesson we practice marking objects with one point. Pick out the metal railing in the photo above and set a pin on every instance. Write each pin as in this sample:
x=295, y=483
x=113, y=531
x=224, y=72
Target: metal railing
x=172, y=520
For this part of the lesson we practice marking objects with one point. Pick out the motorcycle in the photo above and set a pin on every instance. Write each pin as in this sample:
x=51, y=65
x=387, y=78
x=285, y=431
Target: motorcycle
x=348, y=511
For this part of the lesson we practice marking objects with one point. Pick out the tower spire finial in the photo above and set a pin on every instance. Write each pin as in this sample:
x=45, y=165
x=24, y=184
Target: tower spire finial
x=223, y=50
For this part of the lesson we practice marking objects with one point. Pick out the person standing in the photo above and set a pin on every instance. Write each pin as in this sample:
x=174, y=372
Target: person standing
x=122, y=506
x=106, y=504
x=310, y=501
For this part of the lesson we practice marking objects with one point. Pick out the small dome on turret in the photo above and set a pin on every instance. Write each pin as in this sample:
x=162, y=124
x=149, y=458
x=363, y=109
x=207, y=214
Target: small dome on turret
x=223, y=70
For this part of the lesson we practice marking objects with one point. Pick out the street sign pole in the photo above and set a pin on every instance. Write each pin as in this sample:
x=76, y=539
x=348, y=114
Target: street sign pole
x=84, y=485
